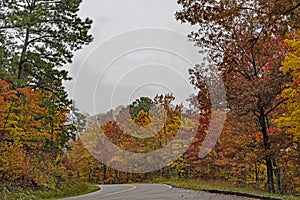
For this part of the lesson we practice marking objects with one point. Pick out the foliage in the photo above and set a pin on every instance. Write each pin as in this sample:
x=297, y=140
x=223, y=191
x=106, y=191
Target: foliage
x=40, y=36
x=45, y=142
x=291, y=66
x=144, y=103
x=243, y=39
x=36, y=39
x=221, y=187
x=67, y=189
x=31, y=141
x=81, y=165
x=238, y=158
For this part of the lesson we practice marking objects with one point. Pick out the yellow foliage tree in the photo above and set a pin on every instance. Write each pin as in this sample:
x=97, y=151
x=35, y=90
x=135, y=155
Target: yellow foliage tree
x=82, y=165
x=142, y=118
x=291, y=65
x=26, y=133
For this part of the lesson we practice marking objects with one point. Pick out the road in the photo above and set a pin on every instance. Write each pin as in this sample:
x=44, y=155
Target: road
x=150, y=192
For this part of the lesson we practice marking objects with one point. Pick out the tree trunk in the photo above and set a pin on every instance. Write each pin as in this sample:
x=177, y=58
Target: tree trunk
x=270, y=180
x=146, y=175
x=167, y=173
x=186, y=172
x=278, y=175
x=23, y=56
x=268, y=158
x=104, y=172
x=256, y=173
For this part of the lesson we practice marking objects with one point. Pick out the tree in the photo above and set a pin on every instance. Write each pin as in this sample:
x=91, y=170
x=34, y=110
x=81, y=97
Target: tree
x=291, y=66
x=81, y=164
x=78, y=119
x=31, y=140
x=39, y=37
x=143, y=103
x=242, y=38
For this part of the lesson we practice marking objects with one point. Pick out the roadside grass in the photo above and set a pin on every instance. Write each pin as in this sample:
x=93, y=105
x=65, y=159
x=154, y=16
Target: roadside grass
x=67, y=190
x=221, y=186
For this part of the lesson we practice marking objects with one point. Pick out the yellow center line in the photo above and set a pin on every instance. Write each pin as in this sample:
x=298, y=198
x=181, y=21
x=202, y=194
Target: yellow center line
x=133, y=187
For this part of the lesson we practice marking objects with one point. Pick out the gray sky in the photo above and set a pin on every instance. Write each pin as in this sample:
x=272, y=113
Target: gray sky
x=139, y=49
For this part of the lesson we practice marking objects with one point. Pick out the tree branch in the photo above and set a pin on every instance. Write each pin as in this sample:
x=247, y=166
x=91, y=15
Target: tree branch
x=278, y=104
x=292, y=9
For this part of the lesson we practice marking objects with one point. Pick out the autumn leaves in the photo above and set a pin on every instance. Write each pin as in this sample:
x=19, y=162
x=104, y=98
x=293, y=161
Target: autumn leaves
x=244, y=40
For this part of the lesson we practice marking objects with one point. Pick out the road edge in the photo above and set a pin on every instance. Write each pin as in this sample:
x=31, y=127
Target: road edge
x=228, y=192
x=86, y=194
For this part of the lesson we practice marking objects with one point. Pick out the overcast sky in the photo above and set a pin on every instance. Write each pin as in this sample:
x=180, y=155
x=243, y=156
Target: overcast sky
x=139, y=49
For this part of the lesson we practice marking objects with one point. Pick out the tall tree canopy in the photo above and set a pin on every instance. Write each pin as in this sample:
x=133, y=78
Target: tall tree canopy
x=37, y=37
x=243, y=39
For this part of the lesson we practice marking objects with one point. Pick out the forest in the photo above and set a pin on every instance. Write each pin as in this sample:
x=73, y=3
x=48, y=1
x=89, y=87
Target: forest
x=47, y=143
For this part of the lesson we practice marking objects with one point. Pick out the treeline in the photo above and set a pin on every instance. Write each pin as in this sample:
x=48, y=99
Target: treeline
x=238, y=158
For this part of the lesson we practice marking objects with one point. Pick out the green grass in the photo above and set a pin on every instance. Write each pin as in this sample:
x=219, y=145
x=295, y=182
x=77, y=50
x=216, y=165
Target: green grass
x=218, y=185
x=68, y=190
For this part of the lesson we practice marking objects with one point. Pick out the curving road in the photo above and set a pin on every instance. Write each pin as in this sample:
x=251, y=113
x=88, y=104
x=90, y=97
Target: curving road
x=150, y=192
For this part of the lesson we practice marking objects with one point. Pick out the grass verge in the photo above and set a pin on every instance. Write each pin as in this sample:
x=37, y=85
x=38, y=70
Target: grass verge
x=222, y=187
x=67, y=190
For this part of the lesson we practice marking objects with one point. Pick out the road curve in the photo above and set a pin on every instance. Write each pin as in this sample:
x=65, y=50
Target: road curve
x=150, y=192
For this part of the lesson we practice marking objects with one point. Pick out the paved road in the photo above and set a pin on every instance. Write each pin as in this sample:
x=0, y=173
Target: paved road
x=151, y=192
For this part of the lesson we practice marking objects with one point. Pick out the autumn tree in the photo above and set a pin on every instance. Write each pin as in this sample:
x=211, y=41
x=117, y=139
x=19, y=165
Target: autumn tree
x=289, y=120
x=82, y=165
x=143, y=103
x=291, y=66
x=31, y=145
x=39, y=37
x=242, y=38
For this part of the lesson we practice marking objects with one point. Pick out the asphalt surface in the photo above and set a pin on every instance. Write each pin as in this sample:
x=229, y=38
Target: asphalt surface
x=150, y=192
